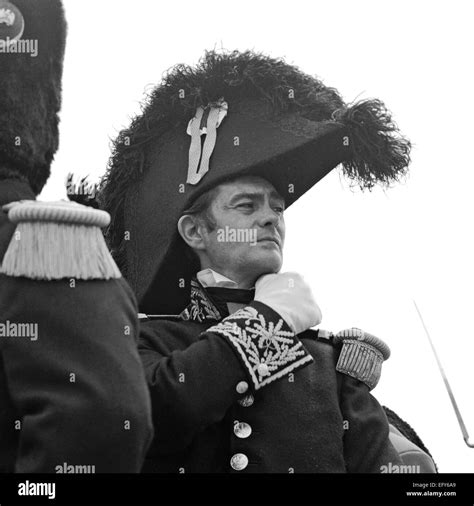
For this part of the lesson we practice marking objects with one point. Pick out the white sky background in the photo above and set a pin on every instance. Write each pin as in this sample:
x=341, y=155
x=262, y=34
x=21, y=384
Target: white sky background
x=366, y=255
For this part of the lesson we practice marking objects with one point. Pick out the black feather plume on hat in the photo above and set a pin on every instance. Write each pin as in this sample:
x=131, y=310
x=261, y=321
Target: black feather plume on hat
x=380, y=154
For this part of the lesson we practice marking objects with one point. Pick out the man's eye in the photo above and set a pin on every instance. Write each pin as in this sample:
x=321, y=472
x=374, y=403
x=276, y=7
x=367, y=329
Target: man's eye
x=279, y=209
x=247, y=205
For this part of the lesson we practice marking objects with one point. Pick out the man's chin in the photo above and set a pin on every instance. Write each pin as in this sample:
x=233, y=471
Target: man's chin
x=270, y=264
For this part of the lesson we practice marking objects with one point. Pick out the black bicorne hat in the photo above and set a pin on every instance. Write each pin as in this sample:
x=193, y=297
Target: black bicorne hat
x=32, y=43
x=235, y=113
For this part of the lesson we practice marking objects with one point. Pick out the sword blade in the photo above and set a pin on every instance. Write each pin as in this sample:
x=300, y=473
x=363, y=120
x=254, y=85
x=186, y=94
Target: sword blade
x=461, y=423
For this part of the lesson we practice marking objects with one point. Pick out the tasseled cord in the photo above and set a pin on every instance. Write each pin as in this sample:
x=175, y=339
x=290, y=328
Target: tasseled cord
x=56, y=241
x=379, y=153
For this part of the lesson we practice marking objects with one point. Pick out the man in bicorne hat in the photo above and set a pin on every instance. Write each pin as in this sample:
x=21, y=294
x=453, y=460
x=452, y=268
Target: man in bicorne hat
x=72, y=389
x=197, y=187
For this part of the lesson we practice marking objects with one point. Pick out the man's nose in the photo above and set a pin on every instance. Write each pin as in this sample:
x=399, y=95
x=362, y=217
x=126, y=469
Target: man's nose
x=268, y=216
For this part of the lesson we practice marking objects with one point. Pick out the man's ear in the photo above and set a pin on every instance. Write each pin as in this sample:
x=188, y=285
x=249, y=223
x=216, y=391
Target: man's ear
x=191, y=230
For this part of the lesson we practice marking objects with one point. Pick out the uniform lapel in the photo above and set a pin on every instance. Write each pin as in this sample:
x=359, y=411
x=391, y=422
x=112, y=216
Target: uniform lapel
x=202, y=308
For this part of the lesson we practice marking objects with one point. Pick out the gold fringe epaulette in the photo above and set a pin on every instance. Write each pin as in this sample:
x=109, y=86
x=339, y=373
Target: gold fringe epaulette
x=361, y=356
x=56, y=240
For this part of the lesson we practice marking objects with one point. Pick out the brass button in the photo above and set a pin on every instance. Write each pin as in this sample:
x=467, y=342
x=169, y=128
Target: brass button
x=239, y=461
x=242, y=430
x=246, y=401
x=262, y=369
x=242, y=387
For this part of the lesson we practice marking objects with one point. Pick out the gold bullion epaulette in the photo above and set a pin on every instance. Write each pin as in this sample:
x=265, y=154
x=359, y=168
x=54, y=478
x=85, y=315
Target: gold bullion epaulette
x=361, y=356
x=56, y=240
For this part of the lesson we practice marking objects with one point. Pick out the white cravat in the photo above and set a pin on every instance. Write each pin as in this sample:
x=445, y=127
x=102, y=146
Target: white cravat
x=209, y=277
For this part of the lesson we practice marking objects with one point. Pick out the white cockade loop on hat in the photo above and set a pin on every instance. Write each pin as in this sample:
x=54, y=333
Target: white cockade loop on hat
x=195, y=147
x=199, y=158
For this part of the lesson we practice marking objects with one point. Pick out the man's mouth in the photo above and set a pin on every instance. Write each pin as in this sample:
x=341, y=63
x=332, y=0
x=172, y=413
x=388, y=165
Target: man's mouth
x=276, y=240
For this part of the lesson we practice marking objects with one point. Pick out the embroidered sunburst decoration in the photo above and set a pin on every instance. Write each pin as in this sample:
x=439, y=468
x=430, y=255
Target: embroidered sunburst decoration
x=267, y=346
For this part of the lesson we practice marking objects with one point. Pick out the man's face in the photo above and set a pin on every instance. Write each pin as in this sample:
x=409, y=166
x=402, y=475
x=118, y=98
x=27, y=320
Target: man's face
x=247, y=241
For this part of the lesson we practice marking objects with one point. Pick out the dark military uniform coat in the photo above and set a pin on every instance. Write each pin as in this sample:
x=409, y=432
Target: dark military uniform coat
x=77, y=394
x=242, y=393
